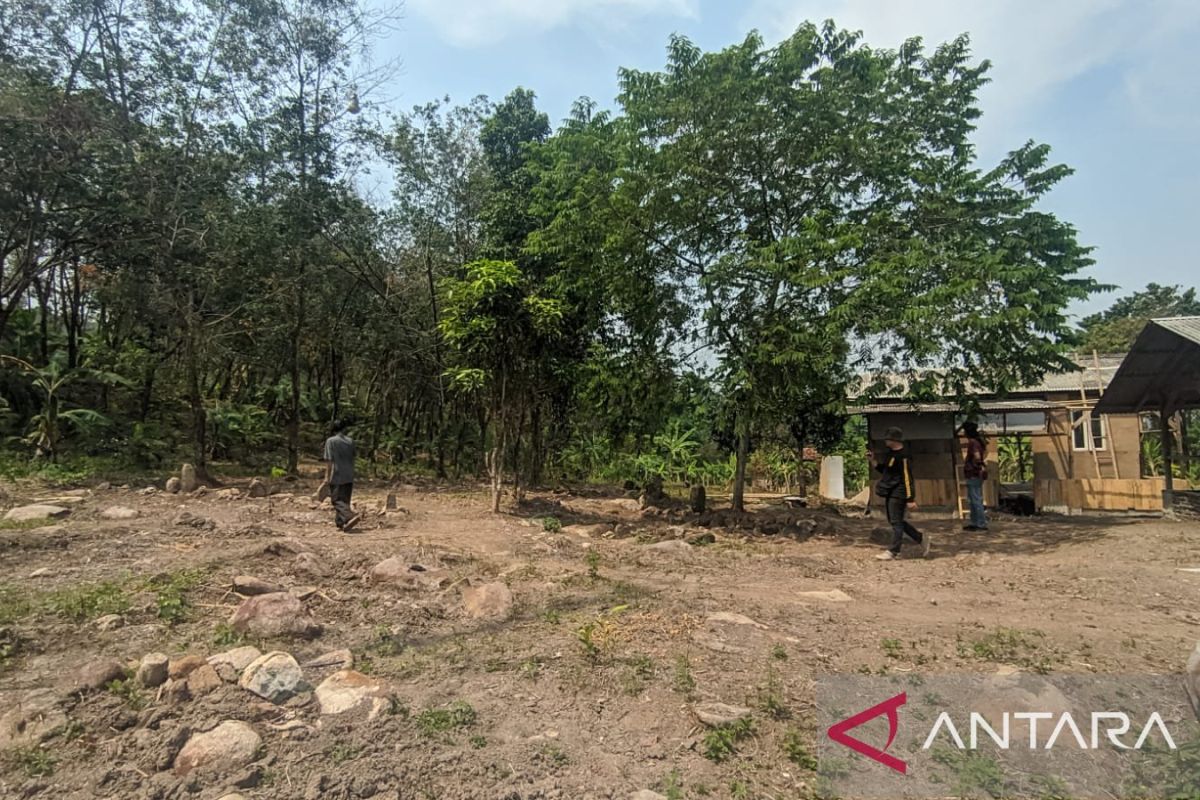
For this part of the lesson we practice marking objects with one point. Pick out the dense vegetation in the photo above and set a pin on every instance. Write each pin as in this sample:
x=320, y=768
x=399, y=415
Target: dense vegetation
x=680, y=287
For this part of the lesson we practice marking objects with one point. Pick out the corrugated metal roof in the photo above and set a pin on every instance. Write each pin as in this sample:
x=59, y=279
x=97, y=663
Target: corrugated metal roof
x=900, y=406
x=1187, y=327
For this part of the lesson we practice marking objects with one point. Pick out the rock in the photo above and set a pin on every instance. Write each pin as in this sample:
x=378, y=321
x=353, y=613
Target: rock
x=589, y=531
x=250, y=585
x=303, y=592
x=272, y=615
x=177, y=692
x=239, y=657
x=42, y=572
x=35, y=512
x=398, y=572
x=109, y=622
x=702, y=539
x=33, y=716
x=231, y=493
x=172, y=485
x=182, y=667
x=275, y=676
x=697, y=499
x=671, y=546
x=148, y=490
x=730, y=618
x=202, y=680
x=187, y=478
x=718, y=714
x=310, y=564
x=830, y=596
x=103, y=486
x=257, y=489
x=230, y=745
x=226, y=672
x=154, y=670
x=392, y=503
x=189, y=520
x=338, y=659
x=349, y=691
x=487, y=601
x=119, y=512
x=94, y=675
x=646, y=794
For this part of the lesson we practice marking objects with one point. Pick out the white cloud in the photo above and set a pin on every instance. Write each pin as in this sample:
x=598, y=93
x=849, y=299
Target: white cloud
x=473, y=22
x=1036, y=46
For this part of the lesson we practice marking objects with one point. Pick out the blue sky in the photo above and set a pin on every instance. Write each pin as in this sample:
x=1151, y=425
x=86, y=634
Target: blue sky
x=1110, y=84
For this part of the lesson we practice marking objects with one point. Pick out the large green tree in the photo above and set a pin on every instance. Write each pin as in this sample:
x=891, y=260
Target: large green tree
x=1115, y=329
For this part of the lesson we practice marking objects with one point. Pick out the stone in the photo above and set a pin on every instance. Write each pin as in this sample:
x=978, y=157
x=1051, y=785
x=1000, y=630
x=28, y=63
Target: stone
x=94, y=675
x=338, y=659
x=731, y=618
x=231, y=493
x=671, y=546
x=202, y=680
x=109, y=622
x=187, y=478
x=589, y=531
x=239, y=657
x=273, y=615
x=398, y=572
x=189, y=520
x=310, y=564
x=35, y=512
x=646, y=794
x=250, y=585
x=830, y=596
x=182, y=667
x=120, y=512
x=42, y=572
x=225, y=748
x=257, y=489
x=275, y=676
x=226, y=672
x=701, y=539
x=172, y=485
x=717, y=714
x=153, y=671
x=487, y=601
x=177, y=691
x=348, y=691
x=697, y=499
x=32, y=717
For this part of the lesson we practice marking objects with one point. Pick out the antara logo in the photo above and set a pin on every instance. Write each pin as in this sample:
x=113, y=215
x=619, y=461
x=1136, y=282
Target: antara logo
x=891, y=707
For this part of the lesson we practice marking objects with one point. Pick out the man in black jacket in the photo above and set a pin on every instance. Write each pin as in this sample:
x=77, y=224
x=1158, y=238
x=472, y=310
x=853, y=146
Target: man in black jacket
x=895, y=486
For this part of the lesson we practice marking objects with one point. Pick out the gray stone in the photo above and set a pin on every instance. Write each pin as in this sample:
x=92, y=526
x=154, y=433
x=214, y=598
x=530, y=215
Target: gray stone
x=338, y=659
x=232, y=493
x=32, y=717
x=120, y=512
x=202, y=680
x=275, y=614
x=189, y=520
x=589, y=531
x=257, y=489
x=35, y=512
x=671, y=546
x=397, y=571
x=347, y=691
x=275, y=676
x=250, y=585
x=225, y=748
x=187, y=478
x=153, y=670
x=717, y=714
x=239, y=657
x=94, y=675
x=172, y=485
x=830, y=596
x=109, y=622
x=488, y=601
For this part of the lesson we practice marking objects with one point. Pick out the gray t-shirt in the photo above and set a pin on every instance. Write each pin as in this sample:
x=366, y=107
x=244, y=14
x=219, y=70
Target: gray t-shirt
x=339, y=449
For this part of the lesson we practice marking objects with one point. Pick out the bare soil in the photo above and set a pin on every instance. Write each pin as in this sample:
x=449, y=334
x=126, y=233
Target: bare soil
x=587, y=689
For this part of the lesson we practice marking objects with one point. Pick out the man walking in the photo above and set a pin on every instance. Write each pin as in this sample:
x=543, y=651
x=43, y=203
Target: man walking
x=896, y=488
x=339, y=475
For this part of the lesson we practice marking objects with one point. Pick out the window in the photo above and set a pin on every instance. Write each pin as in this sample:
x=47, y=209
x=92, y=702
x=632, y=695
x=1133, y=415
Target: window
x=1086, y=436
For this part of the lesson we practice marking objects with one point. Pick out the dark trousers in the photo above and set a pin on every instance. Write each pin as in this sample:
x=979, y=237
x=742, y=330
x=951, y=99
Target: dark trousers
x=339, y=495
x=897, y=507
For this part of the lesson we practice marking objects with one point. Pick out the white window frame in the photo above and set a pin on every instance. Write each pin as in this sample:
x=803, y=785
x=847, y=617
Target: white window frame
x=1095, y=434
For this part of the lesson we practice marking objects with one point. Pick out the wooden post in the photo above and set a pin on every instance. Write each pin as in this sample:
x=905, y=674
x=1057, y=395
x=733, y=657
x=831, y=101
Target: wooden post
x=1168, y=470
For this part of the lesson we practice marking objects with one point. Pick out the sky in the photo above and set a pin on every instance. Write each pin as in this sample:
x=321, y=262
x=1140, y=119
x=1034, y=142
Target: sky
x=1110, y=85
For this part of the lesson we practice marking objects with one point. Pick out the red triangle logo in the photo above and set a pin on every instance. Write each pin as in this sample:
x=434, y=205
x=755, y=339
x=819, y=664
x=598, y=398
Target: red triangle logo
x=891, y=706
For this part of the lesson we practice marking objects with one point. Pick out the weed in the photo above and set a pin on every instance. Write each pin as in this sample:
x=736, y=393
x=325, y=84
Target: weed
x=478, y=742
x=530, y=668
x=33, y=761
x=386, y=643
x=341, y=753
x=25, y=524
x=127, y=690
x=225, y=636
x=587, y=640
x=770, y=698
x=170, y=593
x=73, y=730
x=1011, y=646
x=640, y=671
x=551, y=616
x=672, y=786
x=721, y=742
x=685, y=682
x=779, y=653
x=10, y=646
x=553, y=755
x=82, y=603
x=14, y=604
x=739, y=790
x=797, y=751
x=551, y=524
x=592, y=559
x=973, y=772
x=397, y=708
x=441, y=720
x=892, y=648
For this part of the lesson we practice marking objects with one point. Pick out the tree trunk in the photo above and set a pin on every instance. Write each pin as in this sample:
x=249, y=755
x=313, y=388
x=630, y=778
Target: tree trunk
x=293, y=426
x=739, y=472
x=196, y=402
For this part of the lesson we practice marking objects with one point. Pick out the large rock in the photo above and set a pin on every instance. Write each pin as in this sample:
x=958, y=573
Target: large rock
x=93, y=675
x=349, y=691
x=257, y=489
x=396, y=571
x=32, y=717
x=187, y=478
x=239, y=657
x=184, y=665
x=35, y=512
x=487, y=601
x=153, y=671
x=337, y=659
x=829, y=596
x=275, y=614
x=250, y=585
x=230, y=745
x=172, y=485
x=718, y=714
x=275, y=676
x=202, y=680
x=119, y=512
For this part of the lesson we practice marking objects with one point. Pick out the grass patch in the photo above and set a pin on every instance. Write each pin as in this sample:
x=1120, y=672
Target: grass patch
x=459, y=714
x=26, y=524
x=796, y=748
x=592, y=559
x=672, y=786
x=551, y=524
x=1012, y=646
x=128, y=691
x=170, y=592
x=341, y=753
x=684, y=681
x=34, y=761
x=720, y=743
x=639, y=672
x=225, y=636
x=972, y=772
x=83, y=603
x=770, y=698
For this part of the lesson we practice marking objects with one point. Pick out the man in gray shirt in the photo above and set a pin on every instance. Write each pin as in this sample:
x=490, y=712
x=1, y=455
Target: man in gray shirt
x=339, y=475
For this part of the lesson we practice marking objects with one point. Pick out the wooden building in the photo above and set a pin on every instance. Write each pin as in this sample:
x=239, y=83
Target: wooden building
x=1059, y=455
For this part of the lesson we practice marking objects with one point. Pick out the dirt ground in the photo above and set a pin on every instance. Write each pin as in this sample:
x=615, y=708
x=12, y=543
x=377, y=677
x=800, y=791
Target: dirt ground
x=586, y=687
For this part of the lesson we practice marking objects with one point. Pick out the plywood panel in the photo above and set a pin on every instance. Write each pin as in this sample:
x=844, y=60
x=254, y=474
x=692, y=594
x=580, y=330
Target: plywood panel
x=1100, y=494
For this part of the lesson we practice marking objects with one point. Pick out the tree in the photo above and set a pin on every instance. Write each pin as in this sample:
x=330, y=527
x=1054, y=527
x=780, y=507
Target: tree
x=1115, y=329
